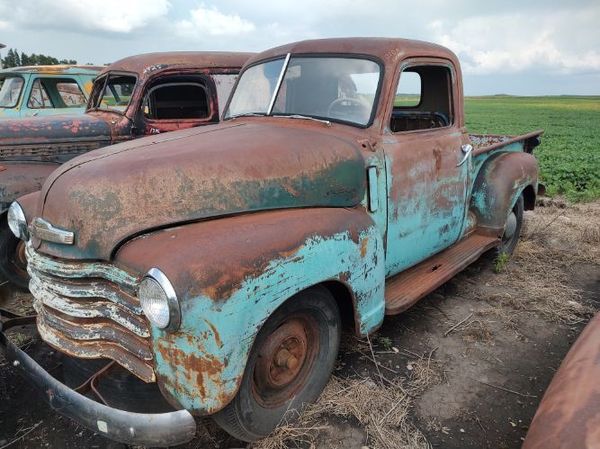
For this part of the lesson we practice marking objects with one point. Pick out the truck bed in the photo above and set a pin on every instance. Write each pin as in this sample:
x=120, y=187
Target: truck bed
x=482, y=143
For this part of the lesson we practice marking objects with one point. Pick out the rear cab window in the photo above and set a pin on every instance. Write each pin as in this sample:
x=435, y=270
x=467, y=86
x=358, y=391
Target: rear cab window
x=177, y=100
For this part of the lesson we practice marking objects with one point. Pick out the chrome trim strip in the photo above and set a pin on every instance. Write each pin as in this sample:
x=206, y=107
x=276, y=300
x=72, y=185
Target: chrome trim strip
x=80, y=270
x=93, y=309
x=44, y=230
x=91, y=289
x=373, y=191
x=278, y=85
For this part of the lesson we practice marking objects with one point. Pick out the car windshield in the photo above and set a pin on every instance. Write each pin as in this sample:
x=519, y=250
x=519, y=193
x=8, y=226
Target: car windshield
x=112, y=93
x=10, y=91
x=331, y=88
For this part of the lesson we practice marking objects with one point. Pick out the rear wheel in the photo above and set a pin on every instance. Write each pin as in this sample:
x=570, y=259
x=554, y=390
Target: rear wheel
x=288, y=367
x=13, y=264
x=512, y=229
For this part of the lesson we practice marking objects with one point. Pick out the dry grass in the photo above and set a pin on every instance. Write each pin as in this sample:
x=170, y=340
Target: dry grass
x=555, y=238
x=555, y=241
x=382, y=411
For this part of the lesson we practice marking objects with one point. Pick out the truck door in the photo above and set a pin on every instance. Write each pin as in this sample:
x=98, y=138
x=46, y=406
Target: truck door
x=423, y=150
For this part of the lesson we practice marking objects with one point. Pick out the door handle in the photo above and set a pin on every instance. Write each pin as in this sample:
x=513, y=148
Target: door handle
x=466, y=150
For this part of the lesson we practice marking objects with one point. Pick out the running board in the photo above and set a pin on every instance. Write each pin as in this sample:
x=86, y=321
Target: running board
x=406, y=288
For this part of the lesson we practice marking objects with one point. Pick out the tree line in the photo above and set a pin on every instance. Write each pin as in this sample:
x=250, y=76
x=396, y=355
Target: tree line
x=14, y=59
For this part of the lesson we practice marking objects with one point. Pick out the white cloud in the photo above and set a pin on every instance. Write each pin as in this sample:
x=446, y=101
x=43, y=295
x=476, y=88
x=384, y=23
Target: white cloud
x=115, y=16
x=512, y=43
x=547, y=46
x=212, y=22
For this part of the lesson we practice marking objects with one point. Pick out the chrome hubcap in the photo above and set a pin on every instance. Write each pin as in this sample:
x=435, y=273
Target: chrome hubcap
x=510, y=227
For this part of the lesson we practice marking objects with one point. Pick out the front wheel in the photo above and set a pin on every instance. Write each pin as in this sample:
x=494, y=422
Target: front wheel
x=289, y=365
x=13, y=264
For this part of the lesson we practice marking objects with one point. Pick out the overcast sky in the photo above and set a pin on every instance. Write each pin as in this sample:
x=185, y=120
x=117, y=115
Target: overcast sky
x=515, y=47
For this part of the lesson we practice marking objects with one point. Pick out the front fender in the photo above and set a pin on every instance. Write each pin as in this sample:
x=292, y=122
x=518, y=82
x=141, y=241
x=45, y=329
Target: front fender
x=232, y=273
x=498, y=185
x=20, y=178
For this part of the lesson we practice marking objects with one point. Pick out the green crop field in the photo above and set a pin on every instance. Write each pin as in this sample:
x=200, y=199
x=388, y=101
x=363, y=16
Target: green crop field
x=569, y=155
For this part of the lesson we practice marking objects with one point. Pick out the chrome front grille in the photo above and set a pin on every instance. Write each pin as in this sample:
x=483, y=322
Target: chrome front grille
x=90, y=310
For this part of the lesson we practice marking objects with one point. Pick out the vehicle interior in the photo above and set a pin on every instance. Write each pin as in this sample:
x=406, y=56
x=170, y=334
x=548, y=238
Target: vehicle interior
x=177, y=98
x=423, y=99
x=55, y=93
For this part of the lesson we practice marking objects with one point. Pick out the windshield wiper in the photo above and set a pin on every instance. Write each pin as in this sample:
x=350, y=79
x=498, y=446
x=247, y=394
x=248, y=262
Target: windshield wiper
x=247, y=114
x=305, y=117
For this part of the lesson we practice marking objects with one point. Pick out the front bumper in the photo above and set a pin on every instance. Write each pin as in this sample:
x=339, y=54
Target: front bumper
x=157, y=429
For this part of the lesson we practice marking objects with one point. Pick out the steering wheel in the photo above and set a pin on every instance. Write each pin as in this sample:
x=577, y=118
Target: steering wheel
x=348, y=108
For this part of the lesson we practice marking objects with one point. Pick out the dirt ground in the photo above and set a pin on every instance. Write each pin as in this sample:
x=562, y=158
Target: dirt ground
x=465, y=368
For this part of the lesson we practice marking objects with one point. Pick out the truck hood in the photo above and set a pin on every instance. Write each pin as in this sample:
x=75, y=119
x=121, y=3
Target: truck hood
x=111, y=195
x=56, y=139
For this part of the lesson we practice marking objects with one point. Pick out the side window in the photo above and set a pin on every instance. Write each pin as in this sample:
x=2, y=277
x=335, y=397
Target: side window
x=113, y=93
x=70, y=93
x=423, y=99
x=177, y=100
x=38, y=98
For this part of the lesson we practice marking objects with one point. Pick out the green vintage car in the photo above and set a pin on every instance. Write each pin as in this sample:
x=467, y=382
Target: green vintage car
x=45, y=90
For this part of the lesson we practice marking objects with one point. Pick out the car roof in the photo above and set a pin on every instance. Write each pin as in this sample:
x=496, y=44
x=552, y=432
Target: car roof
x=147, y=63
x=388, y=50
x=60, y=69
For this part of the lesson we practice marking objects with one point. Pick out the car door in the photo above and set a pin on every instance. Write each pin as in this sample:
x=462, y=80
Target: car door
x=423, y=151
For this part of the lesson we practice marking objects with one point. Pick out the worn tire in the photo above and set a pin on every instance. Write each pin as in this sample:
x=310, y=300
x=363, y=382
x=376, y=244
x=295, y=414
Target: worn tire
x=509, y=244
x=12, y=268
x=258, y=408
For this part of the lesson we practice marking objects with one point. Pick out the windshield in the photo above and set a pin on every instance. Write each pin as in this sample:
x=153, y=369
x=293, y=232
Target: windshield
x=10, y=91
x=331, y=88
x=113, y=93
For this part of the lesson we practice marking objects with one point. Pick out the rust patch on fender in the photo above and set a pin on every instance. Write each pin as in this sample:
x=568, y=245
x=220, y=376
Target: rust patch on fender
x=195, y=369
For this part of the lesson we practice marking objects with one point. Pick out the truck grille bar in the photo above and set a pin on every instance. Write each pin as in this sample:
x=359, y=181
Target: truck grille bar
x=90, y=310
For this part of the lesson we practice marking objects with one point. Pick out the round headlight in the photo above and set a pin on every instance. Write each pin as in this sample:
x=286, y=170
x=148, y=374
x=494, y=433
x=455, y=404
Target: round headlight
x=159, y=301
x=16, y=220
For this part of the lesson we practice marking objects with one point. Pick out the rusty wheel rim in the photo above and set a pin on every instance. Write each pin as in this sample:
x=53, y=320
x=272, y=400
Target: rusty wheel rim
x=19, y=260
x=285, y=360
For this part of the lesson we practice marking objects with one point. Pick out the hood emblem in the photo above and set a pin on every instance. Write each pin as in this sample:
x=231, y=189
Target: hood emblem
x=44, y=230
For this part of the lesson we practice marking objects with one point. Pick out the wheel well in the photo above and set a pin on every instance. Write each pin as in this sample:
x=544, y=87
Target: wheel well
x=345, y=301
x=529, y=197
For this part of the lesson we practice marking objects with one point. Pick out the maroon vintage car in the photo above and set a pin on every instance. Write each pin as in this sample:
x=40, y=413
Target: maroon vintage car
x=136, y=96
x=569, y=415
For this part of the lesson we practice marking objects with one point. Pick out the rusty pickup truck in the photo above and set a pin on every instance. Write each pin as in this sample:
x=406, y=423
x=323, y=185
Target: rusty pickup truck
x=219, y=265
x=136, y=96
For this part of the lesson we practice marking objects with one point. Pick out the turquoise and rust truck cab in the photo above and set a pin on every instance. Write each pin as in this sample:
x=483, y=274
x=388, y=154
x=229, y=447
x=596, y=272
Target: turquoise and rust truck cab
x=30, y=91
x=220, y=264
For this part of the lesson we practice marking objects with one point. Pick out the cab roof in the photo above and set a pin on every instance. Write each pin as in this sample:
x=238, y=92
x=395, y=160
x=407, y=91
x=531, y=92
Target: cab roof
x=388, y=50
x=147, y=63
x=55, y=69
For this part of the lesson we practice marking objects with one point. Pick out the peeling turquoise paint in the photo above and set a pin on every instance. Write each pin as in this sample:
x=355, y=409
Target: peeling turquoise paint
x=491, y=206
x=82, y=76
x=428, y=216
x=220, y=359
